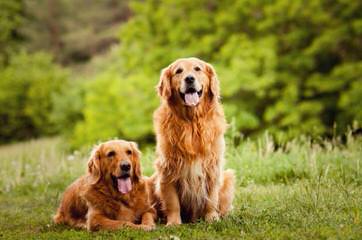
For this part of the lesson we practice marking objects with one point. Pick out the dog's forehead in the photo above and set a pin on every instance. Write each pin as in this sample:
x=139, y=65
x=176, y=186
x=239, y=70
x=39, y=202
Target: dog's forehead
x=116, y=145
x=186, y=62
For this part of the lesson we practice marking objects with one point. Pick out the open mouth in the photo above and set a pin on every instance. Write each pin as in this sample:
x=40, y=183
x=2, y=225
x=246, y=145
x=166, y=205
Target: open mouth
x=122, y=183
x=191, y=97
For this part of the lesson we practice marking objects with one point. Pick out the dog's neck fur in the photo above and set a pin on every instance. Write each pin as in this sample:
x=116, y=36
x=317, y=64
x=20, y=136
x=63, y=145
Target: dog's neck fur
x=188, y=127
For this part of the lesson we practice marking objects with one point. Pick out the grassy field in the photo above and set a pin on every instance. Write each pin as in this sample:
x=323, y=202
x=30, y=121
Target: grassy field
x=299, y=191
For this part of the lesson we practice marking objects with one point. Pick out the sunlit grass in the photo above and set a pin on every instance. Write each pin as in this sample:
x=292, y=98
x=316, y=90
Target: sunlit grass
x=301, y=190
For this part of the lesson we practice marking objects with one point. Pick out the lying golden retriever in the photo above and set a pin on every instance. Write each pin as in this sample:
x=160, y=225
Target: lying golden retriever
x=189, y=180
x=112, y=195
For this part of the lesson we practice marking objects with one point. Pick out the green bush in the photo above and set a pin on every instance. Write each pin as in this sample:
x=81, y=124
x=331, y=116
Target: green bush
x=291, y=67
x=116, y=106
x=288, y=67
x=27, y=85
x=68, y=104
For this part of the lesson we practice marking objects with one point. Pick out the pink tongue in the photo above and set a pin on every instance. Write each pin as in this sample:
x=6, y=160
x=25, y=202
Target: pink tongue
x=192, y=99
x=124, y=185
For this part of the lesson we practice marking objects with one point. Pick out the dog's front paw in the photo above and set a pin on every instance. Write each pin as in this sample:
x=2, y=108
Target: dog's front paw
x=147, y=227
x=173, y=222
x=212, y=216
x=173, y=219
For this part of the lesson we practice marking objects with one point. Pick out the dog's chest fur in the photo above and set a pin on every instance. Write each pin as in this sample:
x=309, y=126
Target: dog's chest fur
x=192, y=187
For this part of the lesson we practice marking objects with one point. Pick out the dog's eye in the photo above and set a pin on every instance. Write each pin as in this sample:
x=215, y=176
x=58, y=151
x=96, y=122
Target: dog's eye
x=129, y=152
x=111, y=154
x=179, y=70
x=197, y=69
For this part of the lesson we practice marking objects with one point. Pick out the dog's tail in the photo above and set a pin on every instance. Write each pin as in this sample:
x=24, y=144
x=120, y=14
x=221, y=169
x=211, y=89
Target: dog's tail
x=227, y=190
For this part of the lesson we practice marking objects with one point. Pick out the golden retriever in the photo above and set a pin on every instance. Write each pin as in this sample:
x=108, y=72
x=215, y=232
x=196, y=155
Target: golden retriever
x=189, y=181
x=112, y=195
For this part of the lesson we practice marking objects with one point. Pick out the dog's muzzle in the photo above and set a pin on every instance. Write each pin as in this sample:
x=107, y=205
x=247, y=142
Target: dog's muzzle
x=191, y=95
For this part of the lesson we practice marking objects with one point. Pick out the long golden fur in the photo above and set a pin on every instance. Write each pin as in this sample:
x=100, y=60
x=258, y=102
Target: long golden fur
x=189, y=180
x=95, y=202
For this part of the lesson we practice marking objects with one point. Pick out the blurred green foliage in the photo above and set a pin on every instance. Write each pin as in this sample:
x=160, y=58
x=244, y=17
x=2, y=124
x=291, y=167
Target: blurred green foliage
x=289, y=67
x=27, y=85
x=73, y=31
x=10, y=20
x=116, y=106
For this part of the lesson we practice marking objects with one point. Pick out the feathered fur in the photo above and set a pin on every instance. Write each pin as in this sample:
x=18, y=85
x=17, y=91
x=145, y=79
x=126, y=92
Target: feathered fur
x=93, y=201
x=190, y=182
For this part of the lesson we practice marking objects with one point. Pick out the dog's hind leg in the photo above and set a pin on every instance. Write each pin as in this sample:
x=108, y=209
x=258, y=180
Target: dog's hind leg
x=63, y=218
x=226, y=193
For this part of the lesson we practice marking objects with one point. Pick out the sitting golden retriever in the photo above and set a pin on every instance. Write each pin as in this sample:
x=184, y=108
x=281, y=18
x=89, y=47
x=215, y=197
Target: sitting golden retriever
x=112, y=195
x=190, y=182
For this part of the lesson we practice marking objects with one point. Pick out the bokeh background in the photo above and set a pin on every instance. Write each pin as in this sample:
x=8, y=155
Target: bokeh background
x=87, y=70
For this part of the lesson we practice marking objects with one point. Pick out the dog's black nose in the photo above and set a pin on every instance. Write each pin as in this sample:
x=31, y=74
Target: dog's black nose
x=125, y=166
x=190, y=79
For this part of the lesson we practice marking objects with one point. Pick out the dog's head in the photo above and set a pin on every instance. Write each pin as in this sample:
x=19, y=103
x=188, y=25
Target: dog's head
x=190, y=81
x=116, y=162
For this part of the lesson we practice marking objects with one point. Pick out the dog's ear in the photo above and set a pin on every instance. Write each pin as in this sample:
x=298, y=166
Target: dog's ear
x=136, y=159
x=214, y=89
x=94, y=165
x=164, y=85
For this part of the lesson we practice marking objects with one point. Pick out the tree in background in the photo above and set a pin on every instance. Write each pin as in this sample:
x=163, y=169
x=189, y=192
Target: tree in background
x=73, y=31
x=10, y=20
x=290, y=67
x=27, y=85
x=36, y=97
x=27, y=81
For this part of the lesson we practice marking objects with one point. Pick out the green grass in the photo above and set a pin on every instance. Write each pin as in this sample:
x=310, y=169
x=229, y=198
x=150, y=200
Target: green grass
x=300, y=191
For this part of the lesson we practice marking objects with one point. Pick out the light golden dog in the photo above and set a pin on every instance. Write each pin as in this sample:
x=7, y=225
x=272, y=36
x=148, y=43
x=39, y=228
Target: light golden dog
x=112, y=195
x=189, y=180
